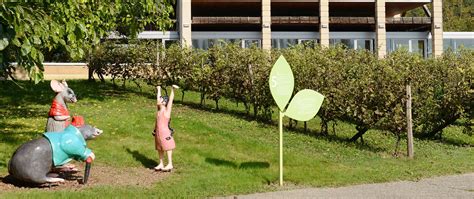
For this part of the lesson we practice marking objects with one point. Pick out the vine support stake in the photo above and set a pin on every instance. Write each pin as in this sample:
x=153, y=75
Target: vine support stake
x=409, y=124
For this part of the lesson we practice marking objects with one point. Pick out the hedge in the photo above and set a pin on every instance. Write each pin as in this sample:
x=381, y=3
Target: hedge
x=359, y=88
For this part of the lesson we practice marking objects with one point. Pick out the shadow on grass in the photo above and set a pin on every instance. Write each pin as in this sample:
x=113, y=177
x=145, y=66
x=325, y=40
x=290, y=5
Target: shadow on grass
x=243, y=165
x=13, y=112
x=15, y=136
x=20, y=184
x=146, y=162
x=254, y=165
x=10, y=180
x=316, y=134
x=222, y=163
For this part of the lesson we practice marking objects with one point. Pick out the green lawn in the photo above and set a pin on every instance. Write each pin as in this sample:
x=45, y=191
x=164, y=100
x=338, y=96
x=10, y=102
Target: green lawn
x=218, y=153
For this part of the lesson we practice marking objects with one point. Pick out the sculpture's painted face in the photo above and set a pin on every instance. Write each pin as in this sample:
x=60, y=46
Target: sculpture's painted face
x=89, y=132
x=69, y=95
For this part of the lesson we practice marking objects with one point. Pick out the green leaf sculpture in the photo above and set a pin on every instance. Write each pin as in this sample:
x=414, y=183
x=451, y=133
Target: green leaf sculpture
x=303, y=107
x=282, y=82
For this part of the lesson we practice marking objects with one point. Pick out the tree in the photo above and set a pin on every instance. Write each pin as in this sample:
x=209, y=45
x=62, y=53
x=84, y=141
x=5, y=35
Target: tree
x=458, y=15
x=77, y=25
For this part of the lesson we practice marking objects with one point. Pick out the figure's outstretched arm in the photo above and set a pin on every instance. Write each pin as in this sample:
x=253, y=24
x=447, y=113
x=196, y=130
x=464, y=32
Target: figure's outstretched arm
x=61, y=118
x=158, y=95
x=170, y=101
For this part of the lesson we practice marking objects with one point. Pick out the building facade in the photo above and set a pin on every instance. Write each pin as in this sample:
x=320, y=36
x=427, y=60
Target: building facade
x=380, y=26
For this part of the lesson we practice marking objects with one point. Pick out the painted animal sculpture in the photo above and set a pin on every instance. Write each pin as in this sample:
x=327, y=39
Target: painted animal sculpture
x=58, y=116
x=33, y=161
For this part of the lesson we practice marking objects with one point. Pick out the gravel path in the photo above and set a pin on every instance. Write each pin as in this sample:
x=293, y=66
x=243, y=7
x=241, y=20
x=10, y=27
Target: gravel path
x=457, y=186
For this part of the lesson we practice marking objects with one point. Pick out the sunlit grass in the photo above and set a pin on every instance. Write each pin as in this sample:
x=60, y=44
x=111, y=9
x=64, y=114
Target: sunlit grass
x=219, y=152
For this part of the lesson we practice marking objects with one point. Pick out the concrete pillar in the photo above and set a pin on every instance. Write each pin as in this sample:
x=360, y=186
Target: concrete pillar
x=324, y=22
x=185, y=22
x=266, y=25
x=437, y=27
x=380, y=29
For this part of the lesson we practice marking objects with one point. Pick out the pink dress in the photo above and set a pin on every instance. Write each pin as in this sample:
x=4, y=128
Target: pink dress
x=163, y=139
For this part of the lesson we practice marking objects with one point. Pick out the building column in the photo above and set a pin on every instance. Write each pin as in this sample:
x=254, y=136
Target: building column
x=324, y=23
x=437, y=28
x=380, y=29
x=185, y=22
x=266, y=25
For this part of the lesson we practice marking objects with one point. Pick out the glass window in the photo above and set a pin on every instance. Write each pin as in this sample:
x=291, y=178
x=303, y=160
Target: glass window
x=239, y=41
x=464, y=43
x=448, y=44
x=347, y=43
x=201, y=44
x=168, y=43
x=251, y=42
x=364, y=44
x=418, y=47
x=429, y=51
x=275, y=43
x=309, y=43
x=196, y=43
x=286, y=43
x=457, y=44
x=389, y=46
x=400, y=44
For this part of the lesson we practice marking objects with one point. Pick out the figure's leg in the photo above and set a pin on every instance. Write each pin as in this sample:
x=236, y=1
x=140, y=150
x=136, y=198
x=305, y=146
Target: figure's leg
x=54, y=180
x=70, y=168
x=160, y=165
x=169, y=167
x=52, y=175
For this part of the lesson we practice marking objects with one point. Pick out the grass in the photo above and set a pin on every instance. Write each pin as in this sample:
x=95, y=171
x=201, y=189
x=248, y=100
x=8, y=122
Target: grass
x=218, y=153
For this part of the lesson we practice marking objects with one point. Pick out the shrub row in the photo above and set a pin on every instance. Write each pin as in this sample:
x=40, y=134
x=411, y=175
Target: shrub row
x=359, y=88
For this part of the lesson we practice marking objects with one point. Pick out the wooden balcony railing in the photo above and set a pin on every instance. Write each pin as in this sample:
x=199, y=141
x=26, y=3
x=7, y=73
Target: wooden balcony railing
x=295, y=20
x=226, y=20
x=408, y=20
x=308, y=20
x=352, y=20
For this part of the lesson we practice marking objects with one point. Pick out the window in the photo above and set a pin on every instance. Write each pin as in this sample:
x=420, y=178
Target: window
x=418, y=46
x=284, y=43
x=170, y=42
x=251, y=42
x=366, y=44
x=309, y=43
x=400, y=44
x=464, y=43
x=347, y=43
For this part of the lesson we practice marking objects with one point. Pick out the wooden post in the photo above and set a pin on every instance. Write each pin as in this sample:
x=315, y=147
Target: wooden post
x=281, y=148
x=409, y=124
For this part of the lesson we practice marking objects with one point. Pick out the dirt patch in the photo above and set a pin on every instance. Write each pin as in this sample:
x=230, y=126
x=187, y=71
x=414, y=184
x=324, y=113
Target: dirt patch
x=99, y=176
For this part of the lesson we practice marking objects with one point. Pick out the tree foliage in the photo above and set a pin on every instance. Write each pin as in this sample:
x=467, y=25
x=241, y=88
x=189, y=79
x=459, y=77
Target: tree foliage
x=27, y=27
x=458, y=15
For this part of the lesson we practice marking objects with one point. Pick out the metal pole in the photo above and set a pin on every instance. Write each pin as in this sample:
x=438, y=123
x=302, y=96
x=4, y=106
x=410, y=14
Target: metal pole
x=281, y=148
